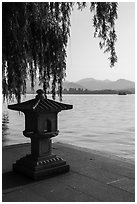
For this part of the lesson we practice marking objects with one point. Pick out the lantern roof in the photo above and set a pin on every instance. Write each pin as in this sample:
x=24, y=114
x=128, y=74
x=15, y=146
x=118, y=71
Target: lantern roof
x=40, y=104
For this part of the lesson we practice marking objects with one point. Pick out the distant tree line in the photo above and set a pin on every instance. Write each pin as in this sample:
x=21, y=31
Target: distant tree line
x=105, y=91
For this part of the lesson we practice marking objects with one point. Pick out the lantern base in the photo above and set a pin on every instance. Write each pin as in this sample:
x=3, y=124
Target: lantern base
x=41, y=167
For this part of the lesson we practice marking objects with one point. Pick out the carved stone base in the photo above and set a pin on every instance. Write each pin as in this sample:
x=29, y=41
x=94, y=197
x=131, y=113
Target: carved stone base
x=42, y=166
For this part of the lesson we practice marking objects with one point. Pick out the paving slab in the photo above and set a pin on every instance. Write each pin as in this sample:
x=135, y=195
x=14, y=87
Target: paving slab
x=93, y=177
x=125, y=184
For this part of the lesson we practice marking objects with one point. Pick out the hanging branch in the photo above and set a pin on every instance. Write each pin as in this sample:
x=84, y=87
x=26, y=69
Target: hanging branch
x=35, y=37
x=104, y=18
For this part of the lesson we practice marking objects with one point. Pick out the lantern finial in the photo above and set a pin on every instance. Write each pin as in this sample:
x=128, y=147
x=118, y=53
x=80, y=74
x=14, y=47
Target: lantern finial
x=40, y=94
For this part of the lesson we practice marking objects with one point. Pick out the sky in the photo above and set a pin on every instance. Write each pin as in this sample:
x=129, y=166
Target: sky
x=84, y=57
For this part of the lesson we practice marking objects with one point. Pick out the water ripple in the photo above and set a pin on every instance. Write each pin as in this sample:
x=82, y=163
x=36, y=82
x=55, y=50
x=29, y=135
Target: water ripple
x=99, y=122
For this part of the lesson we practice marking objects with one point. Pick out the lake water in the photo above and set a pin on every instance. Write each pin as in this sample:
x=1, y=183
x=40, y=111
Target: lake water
x=98, y=122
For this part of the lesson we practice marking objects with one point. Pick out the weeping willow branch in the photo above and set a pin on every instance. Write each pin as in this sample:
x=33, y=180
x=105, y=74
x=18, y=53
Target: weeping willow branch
x=35, y=37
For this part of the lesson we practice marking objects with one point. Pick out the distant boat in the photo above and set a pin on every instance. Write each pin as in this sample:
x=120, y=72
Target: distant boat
x=122, y=93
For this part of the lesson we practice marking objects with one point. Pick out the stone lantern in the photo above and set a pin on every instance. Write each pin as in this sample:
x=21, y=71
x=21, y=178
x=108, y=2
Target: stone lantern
x=41, y=124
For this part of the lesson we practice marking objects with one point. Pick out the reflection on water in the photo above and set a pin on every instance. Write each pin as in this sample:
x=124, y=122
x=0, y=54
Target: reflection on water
x=12, y=126
x=5, y=128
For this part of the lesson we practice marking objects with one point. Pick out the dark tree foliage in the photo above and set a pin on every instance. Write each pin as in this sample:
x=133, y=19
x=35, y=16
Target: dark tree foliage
x=35, y=36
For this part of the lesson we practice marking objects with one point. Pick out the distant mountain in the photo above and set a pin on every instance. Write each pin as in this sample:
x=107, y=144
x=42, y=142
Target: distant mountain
x=90, y=84
x=93, y=84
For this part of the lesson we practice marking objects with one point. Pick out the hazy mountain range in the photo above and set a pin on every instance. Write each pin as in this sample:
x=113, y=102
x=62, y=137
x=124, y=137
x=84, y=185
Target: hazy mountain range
x=92, y=84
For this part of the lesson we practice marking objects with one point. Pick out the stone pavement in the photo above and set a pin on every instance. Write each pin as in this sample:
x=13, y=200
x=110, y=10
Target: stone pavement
x=93, y=177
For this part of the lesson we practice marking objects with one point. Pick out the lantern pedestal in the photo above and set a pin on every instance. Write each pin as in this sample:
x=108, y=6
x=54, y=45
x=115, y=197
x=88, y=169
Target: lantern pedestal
x=37, y=168
x=41, y=162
